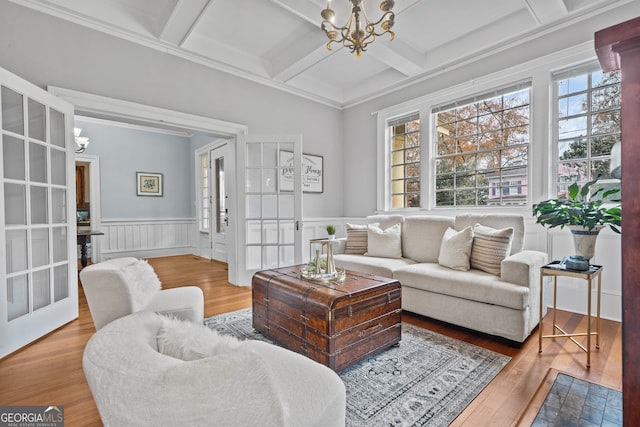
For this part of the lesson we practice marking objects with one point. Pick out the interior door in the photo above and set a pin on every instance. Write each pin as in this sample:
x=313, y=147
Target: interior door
x=38, y=267
x=269, y=203
x=219, y=200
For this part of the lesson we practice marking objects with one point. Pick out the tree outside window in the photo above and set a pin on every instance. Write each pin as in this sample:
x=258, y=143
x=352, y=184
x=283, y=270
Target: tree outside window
x=588, y=124
x=482, y=151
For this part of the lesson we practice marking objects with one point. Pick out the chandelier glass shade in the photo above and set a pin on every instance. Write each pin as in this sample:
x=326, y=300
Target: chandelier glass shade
x=81, y=141
x=358, y=32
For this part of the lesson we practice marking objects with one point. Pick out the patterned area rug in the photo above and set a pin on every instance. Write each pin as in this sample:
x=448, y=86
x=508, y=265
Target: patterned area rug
x=427, y=380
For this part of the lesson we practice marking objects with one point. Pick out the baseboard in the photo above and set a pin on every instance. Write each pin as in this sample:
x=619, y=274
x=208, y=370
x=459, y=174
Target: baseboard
x=149, y=253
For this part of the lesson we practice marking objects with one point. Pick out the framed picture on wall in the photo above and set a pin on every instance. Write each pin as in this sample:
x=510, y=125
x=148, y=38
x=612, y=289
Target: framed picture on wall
x=312, y=172
x=148, y=184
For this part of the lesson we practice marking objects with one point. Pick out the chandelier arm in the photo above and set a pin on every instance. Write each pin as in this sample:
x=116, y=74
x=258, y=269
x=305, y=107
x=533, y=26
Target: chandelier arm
x=386, y=15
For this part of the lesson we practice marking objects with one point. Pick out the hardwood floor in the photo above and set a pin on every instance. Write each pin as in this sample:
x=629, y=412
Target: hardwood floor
x=49, y=371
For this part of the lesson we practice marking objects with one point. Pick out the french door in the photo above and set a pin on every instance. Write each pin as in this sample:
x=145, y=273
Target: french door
x=38, y=267
x=269, y=203
x=219, y=198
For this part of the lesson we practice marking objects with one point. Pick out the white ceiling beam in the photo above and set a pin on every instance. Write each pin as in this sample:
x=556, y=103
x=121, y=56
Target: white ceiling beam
x=183, y=20
x=298, y=57
x=398, y=55
x=303, y=54
x=546, y=11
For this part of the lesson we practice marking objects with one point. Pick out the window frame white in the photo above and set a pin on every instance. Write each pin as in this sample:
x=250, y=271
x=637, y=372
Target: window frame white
x=502, y=91
x=585, y=67
x=542, y=151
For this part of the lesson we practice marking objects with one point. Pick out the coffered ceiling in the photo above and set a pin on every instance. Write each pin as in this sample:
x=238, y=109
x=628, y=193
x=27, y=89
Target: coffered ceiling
x=279, y=43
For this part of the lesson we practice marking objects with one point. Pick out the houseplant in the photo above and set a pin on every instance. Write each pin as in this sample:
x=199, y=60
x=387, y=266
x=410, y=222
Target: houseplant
x=583, y=213
x=331, y=231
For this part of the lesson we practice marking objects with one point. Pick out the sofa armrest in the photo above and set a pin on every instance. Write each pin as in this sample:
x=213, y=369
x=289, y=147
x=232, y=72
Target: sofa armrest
x=339, y=245
x=523, y=268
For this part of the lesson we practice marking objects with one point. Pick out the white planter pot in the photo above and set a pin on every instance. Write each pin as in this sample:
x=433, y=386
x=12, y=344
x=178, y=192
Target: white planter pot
x=584, y=240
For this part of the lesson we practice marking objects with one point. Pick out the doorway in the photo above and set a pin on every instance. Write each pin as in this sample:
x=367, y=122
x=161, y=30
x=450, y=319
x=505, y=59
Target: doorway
x=88, y=201
x=98, y=106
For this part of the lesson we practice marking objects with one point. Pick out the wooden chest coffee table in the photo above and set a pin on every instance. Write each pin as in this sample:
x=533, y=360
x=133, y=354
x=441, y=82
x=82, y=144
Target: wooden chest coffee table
x=336, y=324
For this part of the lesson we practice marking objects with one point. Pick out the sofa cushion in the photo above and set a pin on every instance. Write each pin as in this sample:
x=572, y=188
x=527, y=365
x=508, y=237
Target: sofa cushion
x=371, y=265
x=472, y=285
x=384, y=243
x=496, y=221
x=490, y=247
x=421, y=236
x=356, y=239
x=455, y=249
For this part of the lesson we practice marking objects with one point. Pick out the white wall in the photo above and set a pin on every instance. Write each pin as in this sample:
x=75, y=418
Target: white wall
x=49, y=51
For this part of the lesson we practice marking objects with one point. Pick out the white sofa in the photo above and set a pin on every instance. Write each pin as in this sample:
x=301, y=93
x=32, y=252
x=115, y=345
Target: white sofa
x=504, y=304
x=146, y=369
x=122, y=286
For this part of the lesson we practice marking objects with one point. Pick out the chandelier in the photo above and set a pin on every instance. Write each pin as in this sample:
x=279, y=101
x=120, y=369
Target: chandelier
x=81, y=141
x=358, y=31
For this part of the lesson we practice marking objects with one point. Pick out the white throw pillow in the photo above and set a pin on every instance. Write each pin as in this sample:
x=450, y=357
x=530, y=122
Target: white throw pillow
x=455, y=249
x=490, y=247
x=384, y=243
x=190, y=341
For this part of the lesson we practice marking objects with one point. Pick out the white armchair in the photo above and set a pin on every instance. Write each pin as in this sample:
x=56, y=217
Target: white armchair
x=148, y=370
x=122, y=286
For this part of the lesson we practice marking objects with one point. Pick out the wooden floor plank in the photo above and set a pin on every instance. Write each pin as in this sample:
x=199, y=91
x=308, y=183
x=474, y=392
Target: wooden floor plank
x=49, y=371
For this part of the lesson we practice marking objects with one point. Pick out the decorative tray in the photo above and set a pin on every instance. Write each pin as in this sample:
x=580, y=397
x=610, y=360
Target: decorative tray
x=338, y=276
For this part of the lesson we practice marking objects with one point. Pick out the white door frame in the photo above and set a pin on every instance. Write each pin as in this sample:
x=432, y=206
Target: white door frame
x=94, y=200
x=229, y=188
x=219, y=240
x=119, y=110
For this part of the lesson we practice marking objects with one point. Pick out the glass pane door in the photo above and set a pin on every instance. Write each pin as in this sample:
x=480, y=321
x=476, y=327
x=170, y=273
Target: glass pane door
x=272, y=202
x=38, y=270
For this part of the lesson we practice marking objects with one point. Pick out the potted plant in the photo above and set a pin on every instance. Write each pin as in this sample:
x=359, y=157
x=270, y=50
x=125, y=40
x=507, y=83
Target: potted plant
x=331, y=231
x=583, y=214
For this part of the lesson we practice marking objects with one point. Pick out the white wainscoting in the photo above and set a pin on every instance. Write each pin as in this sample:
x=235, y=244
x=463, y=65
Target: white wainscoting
x=147, y=238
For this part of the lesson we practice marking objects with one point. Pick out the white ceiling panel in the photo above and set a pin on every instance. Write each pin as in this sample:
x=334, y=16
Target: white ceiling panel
x=279, y=42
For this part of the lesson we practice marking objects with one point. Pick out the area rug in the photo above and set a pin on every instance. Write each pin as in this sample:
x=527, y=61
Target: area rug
x=427, y=380
x=572, y=401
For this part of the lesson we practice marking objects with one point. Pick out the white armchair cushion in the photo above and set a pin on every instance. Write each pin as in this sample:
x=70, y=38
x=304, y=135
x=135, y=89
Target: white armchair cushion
x=190, y=341
x=384, y=243
x=455, y=249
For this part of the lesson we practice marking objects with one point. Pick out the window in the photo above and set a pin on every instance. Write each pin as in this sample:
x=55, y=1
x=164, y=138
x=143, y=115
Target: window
x=204, y=193
x=588, y=124
x=404, y=137
x=481, y=149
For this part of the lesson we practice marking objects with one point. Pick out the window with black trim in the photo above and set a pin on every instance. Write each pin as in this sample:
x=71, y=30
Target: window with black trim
x=482, y=149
